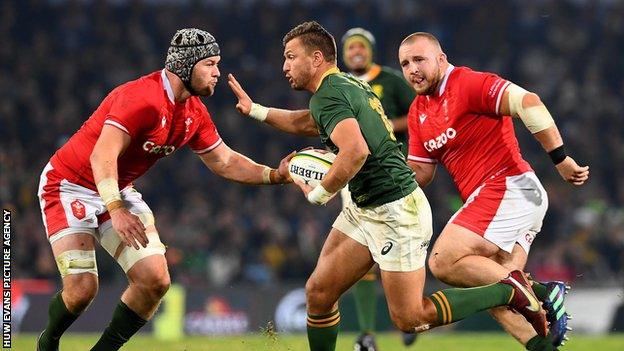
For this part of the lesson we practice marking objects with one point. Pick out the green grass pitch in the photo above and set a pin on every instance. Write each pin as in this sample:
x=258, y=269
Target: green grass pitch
x=386, y=342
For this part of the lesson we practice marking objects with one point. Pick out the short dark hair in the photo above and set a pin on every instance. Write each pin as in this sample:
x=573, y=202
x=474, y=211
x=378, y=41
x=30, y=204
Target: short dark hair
x=412, y=37
x=314, y=37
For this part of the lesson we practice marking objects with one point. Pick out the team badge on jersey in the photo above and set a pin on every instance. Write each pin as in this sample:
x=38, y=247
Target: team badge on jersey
x=188, y=122
x=378, y=90
x=78, y=209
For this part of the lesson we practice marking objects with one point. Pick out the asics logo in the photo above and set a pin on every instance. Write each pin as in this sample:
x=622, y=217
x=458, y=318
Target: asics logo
x=534, y=305
x=386, y=248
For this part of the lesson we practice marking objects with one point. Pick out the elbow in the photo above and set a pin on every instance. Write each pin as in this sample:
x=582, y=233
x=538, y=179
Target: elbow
x=530, y=100
x=360, y=153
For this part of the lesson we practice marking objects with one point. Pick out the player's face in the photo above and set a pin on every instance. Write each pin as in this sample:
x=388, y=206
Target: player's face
x=205, y=75
x=297, y=64
x=357, y=56
x=420, y=61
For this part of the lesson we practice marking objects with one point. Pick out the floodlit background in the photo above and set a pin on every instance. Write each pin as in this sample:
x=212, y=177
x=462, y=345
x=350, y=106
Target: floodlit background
x=240, y=255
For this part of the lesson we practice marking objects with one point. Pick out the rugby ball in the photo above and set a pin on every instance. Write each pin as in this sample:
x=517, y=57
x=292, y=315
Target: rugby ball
x=311, y=165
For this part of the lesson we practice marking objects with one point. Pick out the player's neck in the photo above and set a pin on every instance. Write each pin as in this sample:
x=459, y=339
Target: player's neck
x=442, y=74
x=324, y=70
x=180, y=93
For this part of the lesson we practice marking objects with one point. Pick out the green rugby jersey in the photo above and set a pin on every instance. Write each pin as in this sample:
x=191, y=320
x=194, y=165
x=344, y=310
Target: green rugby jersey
x=395, y=94
x=385, y=176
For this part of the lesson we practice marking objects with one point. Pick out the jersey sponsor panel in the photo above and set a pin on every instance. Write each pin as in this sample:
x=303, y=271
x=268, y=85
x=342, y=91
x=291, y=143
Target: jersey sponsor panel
x=461, y=128
x=145, y=110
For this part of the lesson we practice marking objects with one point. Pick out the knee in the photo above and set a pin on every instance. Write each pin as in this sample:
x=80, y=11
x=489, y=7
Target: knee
x=319, y=298
x=155, y=286
x=79, y=290
x=439, y=266
x=407, y=322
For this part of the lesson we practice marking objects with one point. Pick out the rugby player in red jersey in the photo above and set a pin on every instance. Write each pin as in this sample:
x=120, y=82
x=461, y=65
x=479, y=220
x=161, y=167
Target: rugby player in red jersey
x=462, y=119
x=86, y=190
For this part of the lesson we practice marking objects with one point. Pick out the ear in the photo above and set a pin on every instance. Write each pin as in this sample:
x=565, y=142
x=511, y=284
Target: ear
x=317, y=58
x=442, y=58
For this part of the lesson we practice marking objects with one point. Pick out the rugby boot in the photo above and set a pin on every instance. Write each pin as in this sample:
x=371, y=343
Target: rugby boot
x=524, y=301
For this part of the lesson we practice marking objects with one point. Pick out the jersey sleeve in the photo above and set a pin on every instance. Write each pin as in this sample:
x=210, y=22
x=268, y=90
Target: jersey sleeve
x=206, y=138
x=131, y=113
x=417, y=151
x=484, y=91
x=329, y=109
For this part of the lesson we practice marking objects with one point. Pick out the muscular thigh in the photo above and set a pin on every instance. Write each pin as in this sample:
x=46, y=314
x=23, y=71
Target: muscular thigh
x=75, y=259
x=515, y=260
x=404, y=291
x=342, y=262
x=456, y=242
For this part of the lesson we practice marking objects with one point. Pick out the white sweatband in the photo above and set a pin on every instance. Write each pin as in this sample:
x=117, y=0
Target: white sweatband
x=535, y=118
x=266, y=175
x=319, y=196
x=76, y=262
x=109, y=190
x=258, y=112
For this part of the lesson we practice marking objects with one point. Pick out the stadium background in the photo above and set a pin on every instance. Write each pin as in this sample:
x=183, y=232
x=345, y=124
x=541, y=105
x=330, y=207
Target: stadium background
x=230, y=245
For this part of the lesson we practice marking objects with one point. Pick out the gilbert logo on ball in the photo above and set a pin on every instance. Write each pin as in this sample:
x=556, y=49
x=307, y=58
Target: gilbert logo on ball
x=311, y=165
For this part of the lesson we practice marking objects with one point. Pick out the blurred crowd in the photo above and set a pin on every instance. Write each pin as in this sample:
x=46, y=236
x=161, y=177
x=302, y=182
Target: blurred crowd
x=59, y=59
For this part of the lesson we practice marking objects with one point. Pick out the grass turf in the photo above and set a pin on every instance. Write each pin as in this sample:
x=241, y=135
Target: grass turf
x=385, y=341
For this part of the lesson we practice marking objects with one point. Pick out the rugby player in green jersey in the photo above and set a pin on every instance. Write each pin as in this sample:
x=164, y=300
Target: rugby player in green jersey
x=396, y=96
x=388, y=220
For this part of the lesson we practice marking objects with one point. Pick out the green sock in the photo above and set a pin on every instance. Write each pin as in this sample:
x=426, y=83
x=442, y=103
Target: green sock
x=323, y=331
x=540, y=290
x=456, y=304
x=538, y=343
x=59, y=319
x=124, y=324
x=365, y=304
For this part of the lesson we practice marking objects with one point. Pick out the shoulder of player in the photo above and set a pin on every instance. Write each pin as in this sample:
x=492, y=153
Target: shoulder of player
x=333, y=86
x=390, y=73
x=144, y=90
x=463, y=73
x=198, y=108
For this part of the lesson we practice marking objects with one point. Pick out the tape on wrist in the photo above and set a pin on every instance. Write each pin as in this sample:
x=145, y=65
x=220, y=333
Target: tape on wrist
x=266, y=175
x=319, y=196
x=115, y=205
x=258, y=112
x=109, y=190
x=558, y=155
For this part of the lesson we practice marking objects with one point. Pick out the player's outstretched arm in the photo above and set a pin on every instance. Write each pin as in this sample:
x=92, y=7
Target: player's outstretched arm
x=111, y=143
x=297, y=122
x=237, y=167
x=529, y=108
x=351, y=156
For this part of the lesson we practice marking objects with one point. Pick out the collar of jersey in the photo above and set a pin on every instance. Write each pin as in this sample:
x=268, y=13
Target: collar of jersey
x=445, y=79
x=332, y=70
x=167, y=86
x=372, y=73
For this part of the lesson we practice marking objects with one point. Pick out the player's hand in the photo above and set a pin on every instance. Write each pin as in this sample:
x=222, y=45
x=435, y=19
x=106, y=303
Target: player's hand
x=572, y=172
x=129, y=228
x=244, y=101
x=303, y=186
x=282, y=171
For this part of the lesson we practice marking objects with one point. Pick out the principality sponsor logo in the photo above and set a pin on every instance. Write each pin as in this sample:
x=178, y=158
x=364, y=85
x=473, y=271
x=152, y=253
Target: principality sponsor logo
x=152, y=148
x=78, y=209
